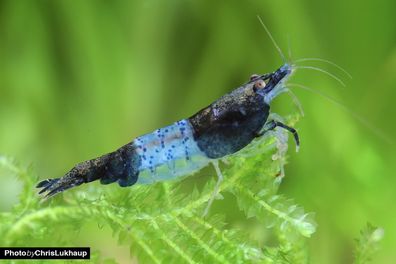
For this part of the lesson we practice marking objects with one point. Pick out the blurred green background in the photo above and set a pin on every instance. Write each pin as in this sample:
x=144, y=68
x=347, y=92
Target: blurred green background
x=81, y=78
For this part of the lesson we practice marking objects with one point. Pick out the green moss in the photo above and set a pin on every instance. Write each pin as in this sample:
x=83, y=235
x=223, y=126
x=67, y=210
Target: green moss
x=162, y=224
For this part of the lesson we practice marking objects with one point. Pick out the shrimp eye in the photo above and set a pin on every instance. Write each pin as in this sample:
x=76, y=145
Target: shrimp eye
x=253, y=77
x=259, y=84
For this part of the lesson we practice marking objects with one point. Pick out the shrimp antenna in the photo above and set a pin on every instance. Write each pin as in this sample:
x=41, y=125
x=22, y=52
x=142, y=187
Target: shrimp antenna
x=322, y=71
x=375, y=130
x=272, y=39
x=328, y=62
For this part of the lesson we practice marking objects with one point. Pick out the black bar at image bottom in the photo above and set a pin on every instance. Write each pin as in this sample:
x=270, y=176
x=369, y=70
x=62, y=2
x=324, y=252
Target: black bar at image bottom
x=45, y=253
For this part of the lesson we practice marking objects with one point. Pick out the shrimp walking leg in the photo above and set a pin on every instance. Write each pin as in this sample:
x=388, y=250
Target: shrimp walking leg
x=273, y=124
x=217, y=187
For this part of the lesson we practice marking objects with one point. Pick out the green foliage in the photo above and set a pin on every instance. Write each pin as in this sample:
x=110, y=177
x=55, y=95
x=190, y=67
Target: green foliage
x=161, y=223
x=368, y=243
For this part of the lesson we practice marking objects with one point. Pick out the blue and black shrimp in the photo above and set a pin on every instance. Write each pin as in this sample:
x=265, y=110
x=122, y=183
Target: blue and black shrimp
x=223, y=128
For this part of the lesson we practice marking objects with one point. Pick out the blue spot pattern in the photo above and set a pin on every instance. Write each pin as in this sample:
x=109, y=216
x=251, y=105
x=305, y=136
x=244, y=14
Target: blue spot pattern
x=169, y=146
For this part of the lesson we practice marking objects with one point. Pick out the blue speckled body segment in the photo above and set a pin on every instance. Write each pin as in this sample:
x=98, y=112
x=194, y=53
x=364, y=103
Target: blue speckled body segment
x=168, y=153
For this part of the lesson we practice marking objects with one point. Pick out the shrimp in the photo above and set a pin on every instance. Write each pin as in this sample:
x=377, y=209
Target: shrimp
x=221, y=129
